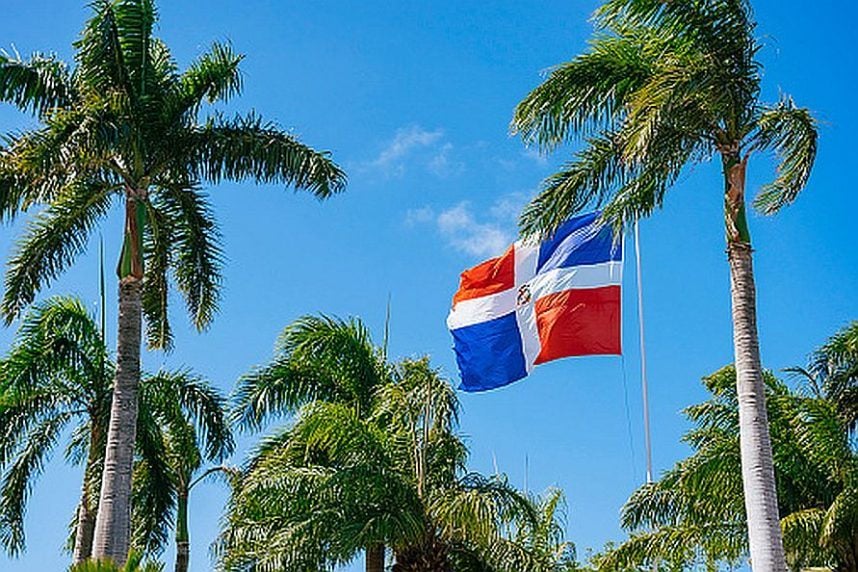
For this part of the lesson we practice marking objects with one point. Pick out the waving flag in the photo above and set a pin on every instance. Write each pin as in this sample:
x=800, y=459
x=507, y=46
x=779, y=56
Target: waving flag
x=537, y=303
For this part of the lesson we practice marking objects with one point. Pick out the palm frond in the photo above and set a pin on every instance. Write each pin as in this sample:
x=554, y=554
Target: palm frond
x=316, y=357
x=153, y=490
x=194, y=241
x=38, y=85
x=158, y=256
x=18, y=481
x=199, y=404
x=792, y=132
x=52, y=241
x=802, y=532
x=249, y=148
x=214, y=76
x=113, y=52
x=590, y=91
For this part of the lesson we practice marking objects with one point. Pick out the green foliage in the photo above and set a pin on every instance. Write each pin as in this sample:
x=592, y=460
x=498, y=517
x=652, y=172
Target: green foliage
x=124, y=122
x=185, y=426
x=372, y=458
x=316, y=357
x=662, y=85
x=135, y=563
x=694, y=516
x=833, y=373
x=58, y=376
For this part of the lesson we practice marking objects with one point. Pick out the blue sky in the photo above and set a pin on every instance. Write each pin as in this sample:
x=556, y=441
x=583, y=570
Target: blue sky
x=414, y=100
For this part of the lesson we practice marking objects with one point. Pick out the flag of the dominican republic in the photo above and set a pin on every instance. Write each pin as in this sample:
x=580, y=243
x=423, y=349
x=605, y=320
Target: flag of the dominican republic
x=537, y=303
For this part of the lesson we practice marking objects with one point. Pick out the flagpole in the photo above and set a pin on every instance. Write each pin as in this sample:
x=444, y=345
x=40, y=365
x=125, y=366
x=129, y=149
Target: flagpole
x=644, y=385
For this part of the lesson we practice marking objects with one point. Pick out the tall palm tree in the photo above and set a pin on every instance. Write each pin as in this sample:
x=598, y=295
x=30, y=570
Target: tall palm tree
x=58, y=376
x=693, y=514
x=544, y=540
x=124, y=126
x=315, y=494
x=316, y=358
x=665, y=84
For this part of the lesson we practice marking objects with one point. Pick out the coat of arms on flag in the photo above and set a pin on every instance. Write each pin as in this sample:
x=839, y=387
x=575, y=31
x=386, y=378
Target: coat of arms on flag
x=539, y=302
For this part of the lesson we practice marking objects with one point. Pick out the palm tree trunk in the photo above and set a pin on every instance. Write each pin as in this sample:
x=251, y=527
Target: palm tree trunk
x=86, y=511
x=112, y=530
x=113, y=525
x=758, y=475
x=183, y=541
x=85, y=528
x=375, y=558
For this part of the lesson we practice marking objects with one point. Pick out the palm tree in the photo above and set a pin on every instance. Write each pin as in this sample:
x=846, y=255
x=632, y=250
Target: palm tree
x=58, y=375
x=665, y=84
x=124, y=126
x=693, y=514
x=314, y=495
x=186, y=447
x=316, y=358
x=833, y=372
x=544, y=540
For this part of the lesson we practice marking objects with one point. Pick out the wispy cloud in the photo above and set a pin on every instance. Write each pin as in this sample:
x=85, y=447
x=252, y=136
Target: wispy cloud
x=443, y=164
x=414, y=147
x=508, y=208
x=392, y=159
x=462, y=231
x=479, y=235
x=422, y=215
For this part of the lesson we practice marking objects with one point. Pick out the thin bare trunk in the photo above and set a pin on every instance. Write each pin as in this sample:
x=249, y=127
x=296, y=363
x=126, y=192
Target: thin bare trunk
x=758, y=475
x=87, y=509
x=375, y=558
x=113, y=525
x=85, y=528
x=183, y=540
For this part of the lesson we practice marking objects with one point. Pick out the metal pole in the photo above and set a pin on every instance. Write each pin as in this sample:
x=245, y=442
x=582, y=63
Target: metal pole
x=101, y=292
x=644, y=386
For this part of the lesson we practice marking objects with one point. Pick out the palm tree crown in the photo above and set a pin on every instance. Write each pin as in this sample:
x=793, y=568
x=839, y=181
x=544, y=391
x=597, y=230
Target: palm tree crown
x=315, y=358
x=663, y=84
x=317, y=493
x=125, y=123
x=695, y=513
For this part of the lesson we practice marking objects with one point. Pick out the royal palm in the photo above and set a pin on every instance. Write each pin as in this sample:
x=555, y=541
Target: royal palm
x=663, y=85
x=123, y=127
x=160, y=504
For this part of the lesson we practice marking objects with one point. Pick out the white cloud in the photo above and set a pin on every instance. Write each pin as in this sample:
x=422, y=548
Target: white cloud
x=391, y=160
x=478, y=235
x=509, y=207
x=463, y=232
x=442, y=164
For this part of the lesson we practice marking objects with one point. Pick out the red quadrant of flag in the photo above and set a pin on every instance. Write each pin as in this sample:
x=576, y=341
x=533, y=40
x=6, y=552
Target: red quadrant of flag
x=578, y=323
